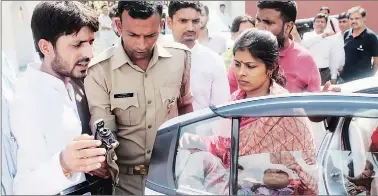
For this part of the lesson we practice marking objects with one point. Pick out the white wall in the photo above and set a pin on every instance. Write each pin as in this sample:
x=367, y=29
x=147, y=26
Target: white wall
x=17, y=39
x=237, y=8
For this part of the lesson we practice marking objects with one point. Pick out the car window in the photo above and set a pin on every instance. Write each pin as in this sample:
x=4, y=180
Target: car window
x=351, y=165
x=274, y=140
x=277, y=156
x=197, y=156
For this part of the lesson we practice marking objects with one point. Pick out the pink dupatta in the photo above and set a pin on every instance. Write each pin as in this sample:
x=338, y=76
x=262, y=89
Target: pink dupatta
x=275, y=135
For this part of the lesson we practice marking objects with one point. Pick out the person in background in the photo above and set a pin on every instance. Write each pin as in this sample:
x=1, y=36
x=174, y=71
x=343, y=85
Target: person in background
x=215, y=42
x=361, y=45
x=296, y=62
x=8, y=141
x=164, y=18
x=113, y=14
x=107, y=35
x=239, y=24
x=339, y=37
x=208, y=80
x=136, y=86
x=343, y=23
x=225, y=18
x=327, y=52
x=332, y=23
x=52, y=154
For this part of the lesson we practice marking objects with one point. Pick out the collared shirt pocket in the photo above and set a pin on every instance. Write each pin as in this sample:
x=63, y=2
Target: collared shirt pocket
x=126, y=109
x=169, y=96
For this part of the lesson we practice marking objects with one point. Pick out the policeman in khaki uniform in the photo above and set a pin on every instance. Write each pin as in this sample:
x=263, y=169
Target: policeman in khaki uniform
x=134, y=98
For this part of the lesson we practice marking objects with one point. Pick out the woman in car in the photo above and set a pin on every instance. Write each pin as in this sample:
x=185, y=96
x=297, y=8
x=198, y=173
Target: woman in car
x=256, y=54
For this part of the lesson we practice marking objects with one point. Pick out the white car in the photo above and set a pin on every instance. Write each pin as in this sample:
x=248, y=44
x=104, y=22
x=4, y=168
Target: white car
x=343, y=141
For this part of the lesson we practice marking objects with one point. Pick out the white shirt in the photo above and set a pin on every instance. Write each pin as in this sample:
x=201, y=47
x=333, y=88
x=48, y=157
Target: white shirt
x=219, y=23
x=327, y=52
x=335, y=23
x=107, y=37
x=44, y=120
x=208, y=79
x=339, y=39
x=216, y=43
x=226, y=19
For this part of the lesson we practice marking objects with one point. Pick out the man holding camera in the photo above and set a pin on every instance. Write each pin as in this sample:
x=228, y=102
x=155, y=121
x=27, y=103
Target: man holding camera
x=52, y=154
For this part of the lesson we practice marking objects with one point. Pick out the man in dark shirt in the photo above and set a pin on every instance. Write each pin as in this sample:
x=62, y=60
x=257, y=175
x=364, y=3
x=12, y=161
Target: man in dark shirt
x=361, y=45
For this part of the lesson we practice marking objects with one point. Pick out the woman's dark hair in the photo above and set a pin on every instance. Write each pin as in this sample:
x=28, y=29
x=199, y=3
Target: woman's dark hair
x=52, y=19
x=140, y=9
x=240, y=19
x=263, y=45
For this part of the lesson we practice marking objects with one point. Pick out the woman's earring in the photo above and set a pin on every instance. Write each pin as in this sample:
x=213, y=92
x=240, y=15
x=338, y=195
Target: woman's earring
x=270, y=73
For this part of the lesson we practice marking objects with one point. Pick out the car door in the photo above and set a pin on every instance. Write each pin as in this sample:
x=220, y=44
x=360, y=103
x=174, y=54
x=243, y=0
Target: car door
x=346, y=150
x=204, y=151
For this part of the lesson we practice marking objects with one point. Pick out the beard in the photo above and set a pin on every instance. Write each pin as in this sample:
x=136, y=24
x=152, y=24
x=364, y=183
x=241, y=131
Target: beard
x=62, y=68
x=281, y=38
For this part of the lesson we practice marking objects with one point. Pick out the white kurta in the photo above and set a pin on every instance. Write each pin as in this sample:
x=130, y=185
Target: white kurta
x=107, y=37
x=208, y=78
x=44, y=120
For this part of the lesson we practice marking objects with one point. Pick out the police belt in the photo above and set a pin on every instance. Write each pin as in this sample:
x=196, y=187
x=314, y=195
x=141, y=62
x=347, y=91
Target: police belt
x=141, y=170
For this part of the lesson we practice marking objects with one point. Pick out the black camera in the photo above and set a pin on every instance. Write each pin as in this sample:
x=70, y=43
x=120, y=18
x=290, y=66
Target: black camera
x=105, y=135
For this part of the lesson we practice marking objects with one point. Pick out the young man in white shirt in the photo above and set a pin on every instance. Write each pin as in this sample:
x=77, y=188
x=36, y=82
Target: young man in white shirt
x=208, y=80
x=52, y=154
x=215, y=42
x=326, y=50
x=225, y=17
x=107, y=35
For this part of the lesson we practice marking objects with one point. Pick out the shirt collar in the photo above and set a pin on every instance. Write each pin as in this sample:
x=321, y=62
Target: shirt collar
x=120, y=57
x=196, y=47
x=350, y=33
x=33, y=70
x=283, y=52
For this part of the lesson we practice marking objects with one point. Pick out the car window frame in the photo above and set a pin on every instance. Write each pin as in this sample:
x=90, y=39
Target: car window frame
x=225, y=111
x=330, y=103
x=341, y=122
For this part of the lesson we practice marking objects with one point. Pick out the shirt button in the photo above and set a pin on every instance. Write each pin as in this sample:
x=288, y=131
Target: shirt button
x=149, y=126
x=149, y=102
x=145, y=75
x=148, y=151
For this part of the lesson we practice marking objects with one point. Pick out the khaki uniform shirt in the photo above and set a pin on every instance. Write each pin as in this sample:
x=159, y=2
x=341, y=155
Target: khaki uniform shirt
x=133, y=102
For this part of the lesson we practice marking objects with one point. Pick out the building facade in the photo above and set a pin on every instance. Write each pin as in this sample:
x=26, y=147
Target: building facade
x=308, y=9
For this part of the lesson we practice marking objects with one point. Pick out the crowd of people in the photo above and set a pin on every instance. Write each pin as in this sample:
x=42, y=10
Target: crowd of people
x=142, y=79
